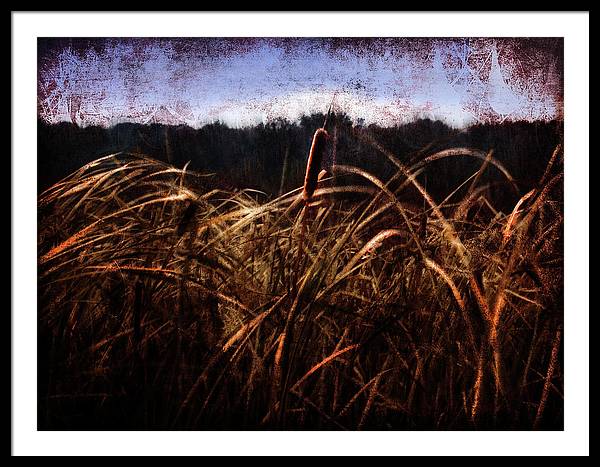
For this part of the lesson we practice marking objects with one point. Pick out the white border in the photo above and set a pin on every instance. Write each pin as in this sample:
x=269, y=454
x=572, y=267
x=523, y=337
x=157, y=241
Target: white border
x=27, y=27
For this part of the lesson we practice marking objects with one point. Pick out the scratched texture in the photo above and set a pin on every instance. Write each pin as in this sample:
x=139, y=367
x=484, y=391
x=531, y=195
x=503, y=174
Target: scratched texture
x=242, y=81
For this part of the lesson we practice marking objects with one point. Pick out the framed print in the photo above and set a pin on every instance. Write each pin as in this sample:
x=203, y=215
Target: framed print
x=302, y=234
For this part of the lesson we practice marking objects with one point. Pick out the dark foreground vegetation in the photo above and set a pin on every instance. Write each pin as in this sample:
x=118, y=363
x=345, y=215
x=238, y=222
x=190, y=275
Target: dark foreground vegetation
x=420, y=287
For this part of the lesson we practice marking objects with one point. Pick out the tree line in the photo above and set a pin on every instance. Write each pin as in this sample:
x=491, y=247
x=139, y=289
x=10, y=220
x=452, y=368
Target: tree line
x=271, y=157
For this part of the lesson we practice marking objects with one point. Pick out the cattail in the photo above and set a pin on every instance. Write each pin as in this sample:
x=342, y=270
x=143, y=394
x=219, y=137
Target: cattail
x=315, y=158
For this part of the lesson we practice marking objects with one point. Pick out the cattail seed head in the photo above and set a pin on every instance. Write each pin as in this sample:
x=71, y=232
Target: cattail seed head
x=315, y=158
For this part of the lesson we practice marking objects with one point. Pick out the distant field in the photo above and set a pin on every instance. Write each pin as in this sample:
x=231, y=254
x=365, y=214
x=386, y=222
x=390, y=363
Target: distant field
x=414, y=292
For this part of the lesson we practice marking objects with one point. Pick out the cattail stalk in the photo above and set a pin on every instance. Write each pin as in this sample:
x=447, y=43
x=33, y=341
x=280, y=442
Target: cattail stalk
x=313, y=167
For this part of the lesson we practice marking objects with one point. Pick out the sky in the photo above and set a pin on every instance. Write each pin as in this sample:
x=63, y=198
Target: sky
x=245, y=81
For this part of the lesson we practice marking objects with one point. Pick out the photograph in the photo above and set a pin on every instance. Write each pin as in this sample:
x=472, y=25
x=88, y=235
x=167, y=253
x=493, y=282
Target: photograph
x=300, y=233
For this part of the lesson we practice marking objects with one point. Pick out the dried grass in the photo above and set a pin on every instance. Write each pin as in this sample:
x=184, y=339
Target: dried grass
x=210, y=309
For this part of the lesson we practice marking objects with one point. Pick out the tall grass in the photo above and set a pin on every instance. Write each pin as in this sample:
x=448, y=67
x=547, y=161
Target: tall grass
x=166, y=302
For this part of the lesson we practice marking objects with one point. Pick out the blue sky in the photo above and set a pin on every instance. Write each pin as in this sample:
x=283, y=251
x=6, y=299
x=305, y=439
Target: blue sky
x=245, y=81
